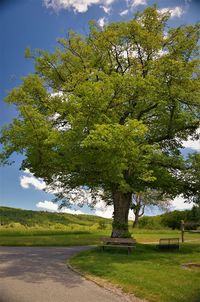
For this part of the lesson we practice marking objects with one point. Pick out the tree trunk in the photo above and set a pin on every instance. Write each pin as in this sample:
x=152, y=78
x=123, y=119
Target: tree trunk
x=138, y=210
x=136, y=220
x=121, y=203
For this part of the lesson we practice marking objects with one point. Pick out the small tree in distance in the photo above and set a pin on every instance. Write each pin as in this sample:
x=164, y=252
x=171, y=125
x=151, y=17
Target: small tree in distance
x=143, y=200
x=110, y=111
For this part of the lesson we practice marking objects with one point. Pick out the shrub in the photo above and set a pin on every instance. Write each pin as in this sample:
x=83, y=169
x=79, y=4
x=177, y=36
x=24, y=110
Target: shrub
x=150, y=222
x=101, y=225
x=16, y=225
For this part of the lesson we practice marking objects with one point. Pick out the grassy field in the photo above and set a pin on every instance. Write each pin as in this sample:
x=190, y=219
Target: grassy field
x=147, y=272
x=49, y=238
x=45, y=237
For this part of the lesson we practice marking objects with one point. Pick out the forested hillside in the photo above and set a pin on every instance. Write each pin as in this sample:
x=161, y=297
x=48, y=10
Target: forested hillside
x=15, y=217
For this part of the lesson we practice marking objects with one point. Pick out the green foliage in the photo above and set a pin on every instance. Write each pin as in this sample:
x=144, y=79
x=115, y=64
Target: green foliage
x=173, y=220
x=16, y=225
x=12, y=217
x=151, y=223
x=126, y=143
x=111, y=110
x=101, y=225
x=192, y=175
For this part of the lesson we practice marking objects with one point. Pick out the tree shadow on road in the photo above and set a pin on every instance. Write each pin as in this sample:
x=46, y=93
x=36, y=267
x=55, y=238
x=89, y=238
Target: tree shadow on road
x=37, y=265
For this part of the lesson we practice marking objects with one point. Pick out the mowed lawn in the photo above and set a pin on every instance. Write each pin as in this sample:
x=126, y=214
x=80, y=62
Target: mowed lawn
x=46, y=237
x=147, y=272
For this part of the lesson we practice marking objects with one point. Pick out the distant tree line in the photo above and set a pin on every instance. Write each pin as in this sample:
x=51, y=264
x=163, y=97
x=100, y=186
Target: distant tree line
x=29, y=218
x=173, y=220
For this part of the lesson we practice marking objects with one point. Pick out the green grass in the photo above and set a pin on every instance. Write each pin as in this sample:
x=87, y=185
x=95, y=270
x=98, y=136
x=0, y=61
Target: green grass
x=147, y=272
x=14, y=217
x=148, y=236
x=48, y=237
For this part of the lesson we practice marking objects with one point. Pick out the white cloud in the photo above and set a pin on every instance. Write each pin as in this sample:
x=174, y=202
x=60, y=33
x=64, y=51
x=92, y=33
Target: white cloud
x=179, y=204
x=175, y=11
x=106, y=9
x=107, y=211
x=138, y=2
x=102, y=210
x=53, y=207
x=59, y=125
x=70, y=211
x=47, y=205
x=80, y=6
x=29, y=180
x=102, y=22
x=59, y=93
x=193, y=144
x=77, y=197
x=124, y=12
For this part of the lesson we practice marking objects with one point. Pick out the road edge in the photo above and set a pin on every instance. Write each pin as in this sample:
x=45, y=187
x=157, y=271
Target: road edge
x=105, y=284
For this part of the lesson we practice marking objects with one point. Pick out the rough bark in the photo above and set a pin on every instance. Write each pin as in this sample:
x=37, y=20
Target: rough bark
x=138, y=209
x=121, y=203
x=136, y=220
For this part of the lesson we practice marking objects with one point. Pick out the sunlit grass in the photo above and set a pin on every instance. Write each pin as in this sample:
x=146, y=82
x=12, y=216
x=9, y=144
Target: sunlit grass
x=47, y=237
x=50, y=238
x=147, y=272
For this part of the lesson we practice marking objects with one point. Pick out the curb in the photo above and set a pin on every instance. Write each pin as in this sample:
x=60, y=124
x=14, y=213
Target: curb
x=106, y=285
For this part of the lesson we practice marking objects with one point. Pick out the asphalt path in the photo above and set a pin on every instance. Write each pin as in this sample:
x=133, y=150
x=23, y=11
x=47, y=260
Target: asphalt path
x=37, y=274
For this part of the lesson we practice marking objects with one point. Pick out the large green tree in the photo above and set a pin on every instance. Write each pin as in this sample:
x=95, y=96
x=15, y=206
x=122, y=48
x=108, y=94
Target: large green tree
x=109, y=111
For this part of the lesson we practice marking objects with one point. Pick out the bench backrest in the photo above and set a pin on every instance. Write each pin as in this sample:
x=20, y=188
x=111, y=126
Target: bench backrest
x=107, y=240
x=169, y=241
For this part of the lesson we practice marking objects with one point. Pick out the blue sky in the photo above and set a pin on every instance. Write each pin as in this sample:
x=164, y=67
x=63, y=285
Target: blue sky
x=38, y=24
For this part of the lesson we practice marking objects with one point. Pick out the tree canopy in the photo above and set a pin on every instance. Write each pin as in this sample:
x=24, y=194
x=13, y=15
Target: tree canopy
x=110, y=110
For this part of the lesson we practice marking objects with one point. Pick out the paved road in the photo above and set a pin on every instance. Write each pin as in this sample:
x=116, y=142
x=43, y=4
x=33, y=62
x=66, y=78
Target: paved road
x=33, y=274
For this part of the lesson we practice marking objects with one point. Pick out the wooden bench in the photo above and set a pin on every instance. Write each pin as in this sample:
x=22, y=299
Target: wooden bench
x=128, y=243
x=169, y=243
